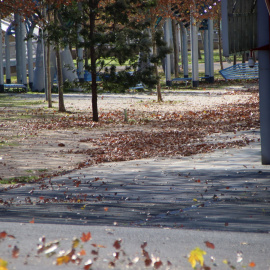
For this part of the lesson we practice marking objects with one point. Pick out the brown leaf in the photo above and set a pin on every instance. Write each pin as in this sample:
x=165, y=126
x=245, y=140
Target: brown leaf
x=3, y=234
x=86, y=237
x=87, y=265
x=15, y=252
x=209, y=244
x=157, y=264
x=61, y=145
x=32, y=221
x=147, y=262
x=143, y=246
x=117, y=244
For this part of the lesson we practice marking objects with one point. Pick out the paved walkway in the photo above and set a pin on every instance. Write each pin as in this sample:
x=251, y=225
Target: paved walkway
x=222, y=196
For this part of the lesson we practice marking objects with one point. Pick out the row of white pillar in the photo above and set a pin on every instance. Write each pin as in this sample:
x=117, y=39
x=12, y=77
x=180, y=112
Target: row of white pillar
x=24, y=57
x=208, y=51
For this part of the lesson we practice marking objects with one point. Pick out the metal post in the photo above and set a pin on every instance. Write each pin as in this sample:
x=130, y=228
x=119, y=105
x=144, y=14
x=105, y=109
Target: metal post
x=211, y=50
x=194, y=52
x=30, y=56
x=1, y=60
x=264, y=80
x=206, y=53
x=168, y=56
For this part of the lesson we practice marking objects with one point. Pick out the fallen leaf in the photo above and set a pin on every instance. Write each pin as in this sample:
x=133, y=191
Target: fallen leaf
x=196, y=255
x=106, y=209
x=15, y=252
x=94, y=252
x=32, y=221
x=226, y=224
x=147, y=262
x=98, y=246
x=86, y=237
x=61, y=144
x=3, y=234
x=88, y=265
x=82, y=253
x=75, y=242
x=157, y=264
x=62, y=259
x=3, y=264
x=144, y=245
x=209, y=244
x=117, y=244
x=252, y=264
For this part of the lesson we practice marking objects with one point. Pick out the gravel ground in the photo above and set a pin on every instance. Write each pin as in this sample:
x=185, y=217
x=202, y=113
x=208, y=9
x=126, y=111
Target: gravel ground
x=34, y=155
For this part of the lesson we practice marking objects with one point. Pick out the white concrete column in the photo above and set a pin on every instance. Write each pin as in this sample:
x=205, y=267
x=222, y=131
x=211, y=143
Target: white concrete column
x=18, y=47
x=194, y=52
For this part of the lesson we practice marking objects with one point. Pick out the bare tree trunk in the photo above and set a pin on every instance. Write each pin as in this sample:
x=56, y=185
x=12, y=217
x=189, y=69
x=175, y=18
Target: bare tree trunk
x=219, y=43
x=48, y=63
x=60, y=80
x=93, y=60
x=175, y=50
x=159, y=95
x=243, y=57
x=59, y=72
x=199, y=53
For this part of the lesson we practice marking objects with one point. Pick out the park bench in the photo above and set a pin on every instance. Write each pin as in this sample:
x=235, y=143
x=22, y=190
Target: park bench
x=186, y=80
x=17, y=87
x=240, y=72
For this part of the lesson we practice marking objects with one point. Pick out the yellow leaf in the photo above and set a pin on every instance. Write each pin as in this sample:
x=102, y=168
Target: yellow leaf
x=75, y=242
x=196, y=255
x=225, y=261
x=195, y=200
x=62, y=259
x=3, y=264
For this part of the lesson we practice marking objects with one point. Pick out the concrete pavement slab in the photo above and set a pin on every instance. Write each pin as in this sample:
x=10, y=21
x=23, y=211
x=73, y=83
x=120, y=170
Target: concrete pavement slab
x=171, y=246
